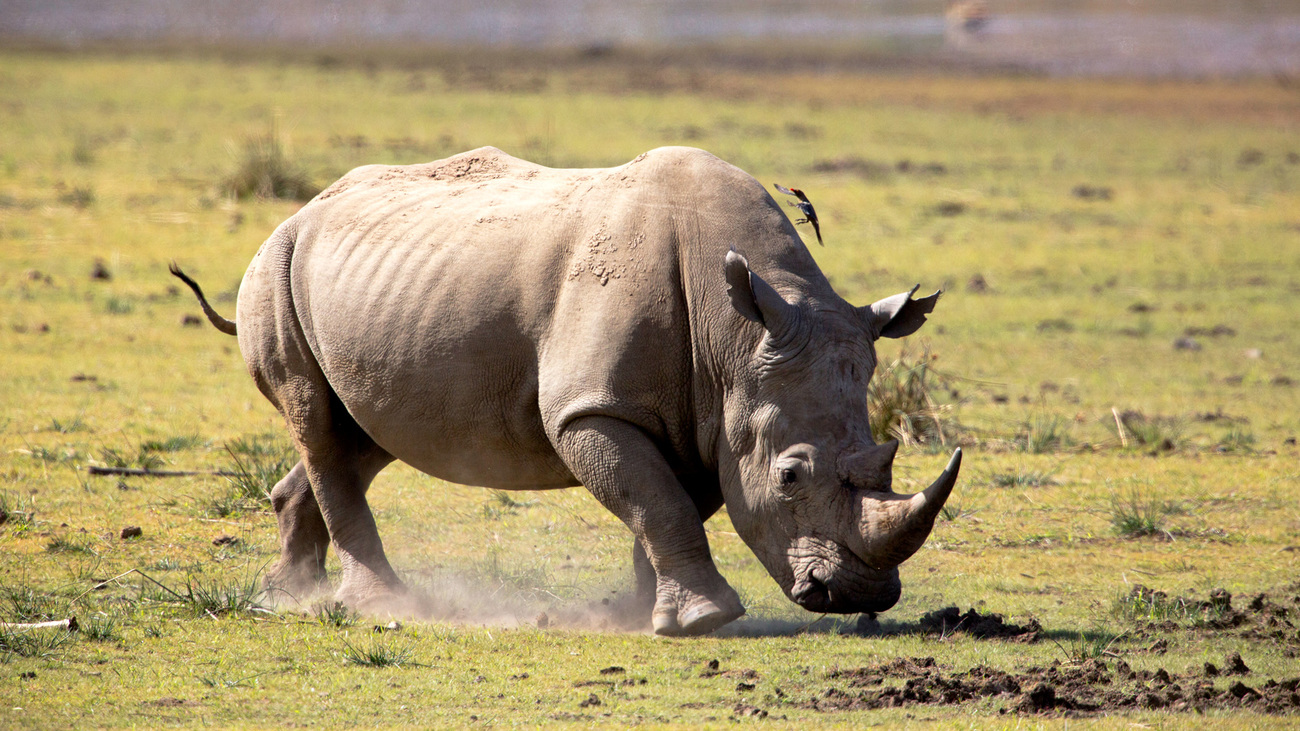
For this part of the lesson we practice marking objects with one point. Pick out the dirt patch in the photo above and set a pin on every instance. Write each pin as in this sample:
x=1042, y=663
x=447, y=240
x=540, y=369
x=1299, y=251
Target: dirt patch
x=1088, y=688
x=1268, y=617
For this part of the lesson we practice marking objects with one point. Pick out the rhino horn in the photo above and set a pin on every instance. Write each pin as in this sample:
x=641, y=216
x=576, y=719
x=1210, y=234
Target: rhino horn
x=893, y=527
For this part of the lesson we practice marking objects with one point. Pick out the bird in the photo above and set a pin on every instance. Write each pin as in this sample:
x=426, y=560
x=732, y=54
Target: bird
x=805, y=207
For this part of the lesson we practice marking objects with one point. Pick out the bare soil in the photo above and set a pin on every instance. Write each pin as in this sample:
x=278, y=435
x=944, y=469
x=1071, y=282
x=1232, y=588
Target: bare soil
x=1094, y=686
x=1090, y=687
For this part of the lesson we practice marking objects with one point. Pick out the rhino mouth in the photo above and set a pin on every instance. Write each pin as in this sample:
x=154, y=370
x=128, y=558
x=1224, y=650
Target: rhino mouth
x=828, y=588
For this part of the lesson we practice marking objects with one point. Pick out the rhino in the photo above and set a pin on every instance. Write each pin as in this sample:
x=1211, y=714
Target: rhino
x=655, y=332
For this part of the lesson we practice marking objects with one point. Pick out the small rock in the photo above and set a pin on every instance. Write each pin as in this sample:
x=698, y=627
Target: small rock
x=131, y=531
x=977, y=284
x=1186, y=343
x=100, y=271
x=1253, y=353
x=190, y=320
x=225, y=540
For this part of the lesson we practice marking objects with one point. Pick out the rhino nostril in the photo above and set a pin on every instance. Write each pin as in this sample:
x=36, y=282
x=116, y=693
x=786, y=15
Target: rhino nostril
x=812, y=594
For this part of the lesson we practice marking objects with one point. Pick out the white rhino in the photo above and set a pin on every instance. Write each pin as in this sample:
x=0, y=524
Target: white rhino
x=656, y=332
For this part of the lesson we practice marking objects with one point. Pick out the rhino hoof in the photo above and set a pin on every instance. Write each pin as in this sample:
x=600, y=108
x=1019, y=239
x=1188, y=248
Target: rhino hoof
x=700, y=619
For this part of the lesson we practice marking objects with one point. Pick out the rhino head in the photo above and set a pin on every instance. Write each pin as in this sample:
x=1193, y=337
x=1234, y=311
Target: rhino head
x=805, y=485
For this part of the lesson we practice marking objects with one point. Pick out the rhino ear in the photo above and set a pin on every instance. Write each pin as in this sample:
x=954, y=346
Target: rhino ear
x=753, y=298
x=900, y=315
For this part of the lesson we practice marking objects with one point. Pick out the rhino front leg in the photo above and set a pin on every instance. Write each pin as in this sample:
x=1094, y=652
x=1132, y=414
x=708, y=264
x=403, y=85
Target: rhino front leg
x=304, y=539
x=624, y=470
x=707, y=502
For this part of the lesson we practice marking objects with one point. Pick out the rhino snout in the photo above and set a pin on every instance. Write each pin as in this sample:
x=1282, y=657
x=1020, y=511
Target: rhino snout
x=846, y=592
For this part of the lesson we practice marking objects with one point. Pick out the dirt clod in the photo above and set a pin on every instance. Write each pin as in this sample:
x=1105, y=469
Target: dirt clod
x=950, y=619
x=131, y=531
x=1234, y=665
x=225, y=540
x=592, y=700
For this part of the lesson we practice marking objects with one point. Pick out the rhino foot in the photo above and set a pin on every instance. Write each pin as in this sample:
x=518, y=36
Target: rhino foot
x=697, y=616
x=295, y=584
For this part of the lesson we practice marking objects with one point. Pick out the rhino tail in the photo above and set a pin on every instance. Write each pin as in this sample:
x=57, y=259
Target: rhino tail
x=226, y=326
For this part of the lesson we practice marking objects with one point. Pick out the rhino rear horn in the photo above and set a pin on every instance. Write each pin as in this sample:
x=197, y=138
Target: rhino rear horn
x=754, y=298
x=899, y=315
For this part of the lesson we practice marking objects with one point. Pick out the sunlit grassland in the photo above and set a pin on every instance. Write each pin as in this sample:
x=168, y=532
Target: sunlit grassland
x=1084, y=294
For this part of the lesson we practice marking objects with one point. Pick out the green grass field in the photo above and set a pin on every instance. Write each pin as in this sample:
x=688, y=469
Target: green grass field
x=1080, y=229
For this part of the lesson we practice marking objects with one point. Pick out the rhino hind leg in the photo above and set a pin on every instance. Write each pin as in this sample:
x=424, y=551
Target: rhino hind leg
x=624, y=470
x=304, y=540
x=340, y=464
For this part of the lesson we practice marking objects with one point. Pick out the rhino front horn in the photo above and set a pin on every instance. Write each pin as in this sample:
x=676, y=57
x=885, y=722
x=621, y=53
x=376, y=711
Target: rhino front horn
x=893, y=527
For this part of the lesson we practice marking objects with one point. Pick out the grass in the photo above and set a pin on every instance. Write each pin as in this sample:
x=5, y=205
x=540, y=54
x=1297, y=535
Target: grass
x=1142, y=604
x=257, y=463
x=904, y=395
x=377, y=651
x=335, y=614
x=1044, y=433
x=1023, y=478
x=34, y=644
x=1194, y=238
x=1139, y=513
x=1161, y=433
x=264, y=171
x=1096, y=644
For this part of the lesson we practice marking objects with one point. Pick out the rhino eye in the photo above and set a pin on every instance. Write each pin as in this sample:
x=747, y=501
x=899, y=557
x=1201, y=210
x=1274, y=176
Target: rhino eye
x=788, y=477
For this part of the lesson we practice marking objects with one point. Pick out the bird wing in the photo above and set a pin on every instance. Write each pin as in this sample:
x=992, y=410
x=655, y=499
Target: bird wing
x=784, y=189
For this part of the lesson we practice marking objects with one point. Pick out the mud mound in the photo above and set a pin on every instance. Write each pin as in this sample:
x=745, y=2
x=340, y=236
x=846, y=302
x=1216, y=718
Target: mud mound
x=1272, y=617
x=1093, y=687
x=950, y=620
x=983, y=626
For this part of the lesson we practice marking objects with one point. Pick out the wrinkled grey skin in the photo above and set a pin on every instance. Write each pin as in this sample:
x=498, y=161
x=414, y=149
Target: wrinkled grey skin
x=656, y=332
